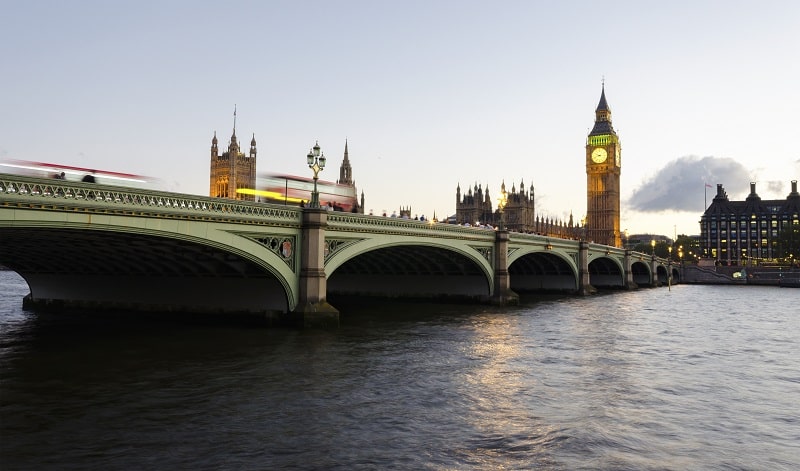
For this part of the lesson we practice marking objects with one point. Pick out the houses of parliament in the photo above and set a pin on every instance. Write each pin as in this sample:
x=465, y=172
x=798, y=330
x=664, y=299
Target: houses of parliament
x=233, y=171
x=603, y=169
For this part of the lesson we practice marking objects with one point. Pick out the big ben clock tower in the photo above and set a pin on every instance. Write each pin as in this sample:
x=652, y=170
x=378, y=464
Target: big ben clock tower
x=603, y=165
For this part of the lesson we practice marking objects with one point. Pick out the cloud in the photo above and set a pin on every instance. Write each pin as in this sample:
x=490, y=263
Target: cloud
x=680, y=185
x=774, y=186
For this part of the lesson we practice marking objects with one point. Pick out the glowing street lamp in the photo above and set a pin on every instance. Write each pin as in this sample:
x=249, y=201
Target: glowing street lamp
x=501, y=205
x=653, y=244
x=583, y=228
x=316, y=162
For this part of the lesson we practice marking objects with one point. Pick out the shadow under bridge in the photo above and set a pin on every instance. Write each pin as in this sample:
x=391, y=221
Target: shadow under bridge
x=410, y=271
x=124, y=270
x=542, y=271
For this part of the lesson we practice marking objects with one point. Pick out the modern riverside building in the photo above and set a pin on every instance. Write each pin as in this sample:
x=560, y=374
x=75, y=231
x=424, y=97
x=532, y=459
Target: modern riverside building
x=753, y=230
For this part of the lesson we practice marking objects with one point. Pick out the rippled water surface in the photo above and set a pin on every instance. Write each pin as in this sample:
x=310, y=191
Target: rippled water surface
x=699, y=377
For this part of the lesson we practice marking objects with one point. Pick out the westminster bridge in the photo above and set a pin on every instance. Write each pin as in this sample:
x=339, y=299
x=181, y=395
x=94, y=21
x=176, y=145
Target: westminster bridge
x=94, y=246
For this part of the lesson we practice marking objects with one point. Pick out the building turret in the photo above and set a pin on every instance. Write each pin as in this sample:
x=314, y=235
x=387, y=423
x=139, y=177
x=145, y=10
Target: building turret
x=233, y=145
x=753, y=196
x=345, y=170
x=602, y=123
x=232, y=171
x=794, y=194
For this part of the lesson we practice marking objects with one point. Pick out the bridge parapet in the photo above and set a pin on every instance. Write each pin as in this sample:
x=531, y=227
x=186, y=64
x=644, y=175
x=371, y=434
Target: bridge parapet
x=399, y=226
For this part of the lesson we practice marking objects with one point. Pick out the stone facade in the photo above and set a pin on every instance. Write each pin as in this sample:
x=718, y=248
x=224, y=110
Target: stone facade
x=233, y=170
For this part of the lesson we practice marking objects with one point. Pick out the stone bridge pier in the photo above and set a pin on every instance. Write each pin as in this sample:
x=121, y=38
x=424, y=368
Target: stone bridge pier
x=503, y=294
x=313, y=310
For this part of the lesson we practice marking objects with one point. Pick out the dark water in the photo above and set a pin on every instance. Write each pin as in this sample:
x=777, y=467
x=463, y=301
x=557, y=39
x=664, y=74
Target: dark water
x=699, y=377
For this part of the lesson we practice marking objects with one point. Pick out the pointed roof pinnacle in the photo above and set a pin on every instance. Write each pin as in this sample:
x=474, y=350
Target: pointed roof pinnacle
x=234, y=120
x=603, y=105
x=346, y=159
x=602, y=122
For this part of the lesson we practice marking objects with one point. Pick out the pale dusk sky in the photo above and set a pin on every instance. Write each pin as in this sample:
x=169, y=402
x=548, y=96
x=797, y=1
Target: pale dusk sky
x=429, y=95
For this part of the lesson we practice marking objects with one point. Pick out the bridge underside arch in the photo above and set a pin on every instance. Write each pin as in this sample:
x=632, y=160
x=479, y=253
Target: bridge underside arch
x=661, y=271
x=605, y=273
x=102, y=269
x=542, y=271
x=412, y=271
x=641, y=273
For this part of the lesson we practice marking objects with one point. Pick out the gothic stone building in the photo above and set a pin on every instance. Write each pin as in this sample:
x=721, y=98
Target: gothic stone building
x=519, y=213
x=233, y=169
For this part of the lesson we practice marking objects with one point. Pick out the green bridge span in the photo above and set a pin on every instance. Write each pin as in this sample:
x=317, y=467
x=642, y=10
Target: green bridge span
x=96, y=246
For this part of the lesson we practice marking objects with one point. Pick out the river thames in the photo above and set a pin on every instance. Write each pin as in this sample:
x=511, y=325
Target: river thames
x=696, y=377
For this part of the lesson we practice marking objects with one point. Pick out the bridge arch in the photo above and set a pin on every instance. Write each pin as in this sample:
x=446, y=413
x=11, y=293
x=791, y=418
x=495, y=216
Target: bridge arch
x=606, y=272
x=111, y=263
x=409, y=268
x=641, y=273
x=661, y=274
x=542, y=269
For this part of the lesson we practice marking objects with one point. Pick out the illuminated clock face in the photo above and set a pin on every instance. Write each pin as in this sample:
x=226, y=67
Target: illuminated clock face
x=599, y=155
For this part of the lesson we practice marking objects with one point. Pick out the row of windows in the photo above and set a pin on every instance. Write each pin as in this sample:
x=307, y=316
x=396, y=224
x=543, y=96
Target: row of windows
x=723, y=253
x=794, y=217
x=742, y=235
x=754, y=224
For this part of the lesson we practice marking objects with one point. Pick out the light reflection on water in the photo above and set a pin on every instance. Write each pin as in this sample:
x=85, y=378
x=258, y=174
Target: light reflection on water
x=700, y=377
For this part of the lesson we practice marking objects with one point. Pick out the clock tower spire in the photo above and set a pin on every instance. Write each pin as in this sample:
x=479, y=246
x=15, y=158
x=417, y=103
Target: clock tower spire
x=603, y=168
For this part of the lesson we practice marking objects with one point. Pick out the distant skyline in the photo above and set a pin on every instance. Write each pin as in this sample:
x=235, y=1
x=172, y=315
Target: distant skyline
x=429, y=95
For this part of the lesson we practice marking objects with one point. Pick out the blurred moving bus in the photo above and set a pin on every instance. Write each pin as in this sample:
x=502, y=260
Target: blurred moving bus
x=72, y=173
x=290, y=189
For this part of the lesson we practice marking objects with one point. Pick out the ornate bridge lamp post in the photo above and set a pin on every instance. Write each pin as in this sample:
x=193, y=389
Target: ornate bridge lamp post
x=316, y=162
x=669, y=266
x=653, y=245
x=501, y=206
